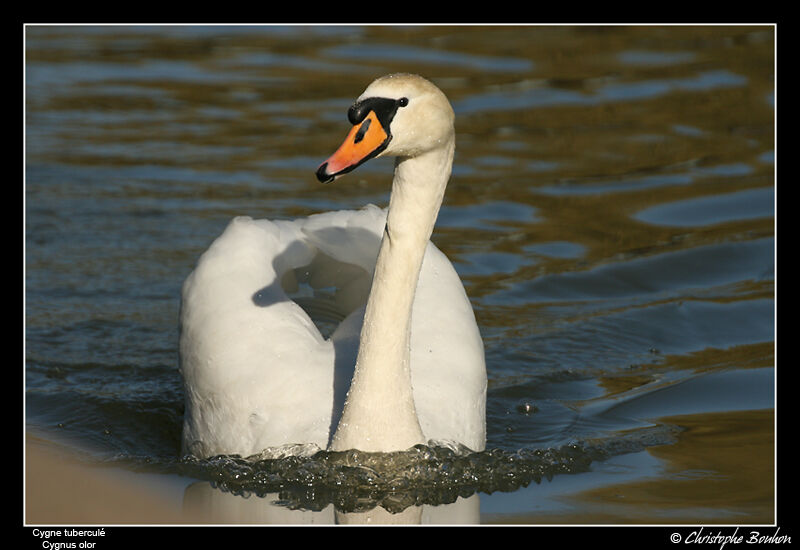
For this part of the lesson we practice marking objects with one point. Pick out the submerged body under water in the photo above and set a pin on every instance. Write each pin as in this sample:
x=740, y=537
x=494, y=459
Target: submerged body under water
x=610, y=212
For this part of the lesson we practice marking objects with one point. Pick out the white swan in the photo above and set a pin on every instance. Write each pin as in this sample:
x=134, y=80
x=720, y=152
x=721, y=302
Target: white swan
x=406, y=368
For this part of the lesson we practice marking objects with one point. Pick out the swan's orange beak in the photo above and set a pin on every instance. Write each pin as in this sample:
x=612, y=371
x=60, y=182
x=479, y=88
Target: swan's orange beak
x=365, y=141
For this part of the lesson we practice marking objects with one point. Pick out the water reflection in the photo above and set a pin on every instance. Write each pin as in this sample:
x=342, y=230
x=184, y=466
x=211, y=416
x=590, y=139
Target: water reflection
x=206, y=503
x=720, y=208
x=536, y=96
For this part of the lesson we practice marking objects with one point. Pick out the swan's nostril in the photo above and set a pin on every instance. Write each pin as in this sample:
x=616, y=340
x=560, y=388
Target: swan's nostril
x=362, y=131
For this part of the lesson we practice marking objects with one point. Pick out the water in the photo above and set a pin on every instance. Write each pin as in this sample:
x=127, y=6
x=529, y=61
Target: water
x=611, y=213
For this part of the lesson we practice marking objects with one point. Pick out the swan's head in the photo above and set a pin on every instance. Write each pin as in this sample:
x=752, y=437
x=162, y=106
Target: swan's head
x=400, y=115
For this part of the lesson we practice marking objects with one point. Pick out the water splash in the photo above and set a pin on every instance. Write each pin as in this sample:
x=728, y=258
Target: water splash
x=306, y=478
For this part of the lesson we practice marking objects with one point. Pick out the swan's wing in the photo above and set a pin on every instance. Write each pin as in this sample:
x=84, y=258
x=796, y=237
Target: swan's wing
x=350, y=236
x=447, y=357
x=256, y=371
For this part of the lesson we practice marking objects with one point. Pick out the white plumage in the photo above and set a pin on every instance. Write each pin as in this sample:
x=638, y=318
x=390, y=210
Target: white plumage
x=259, y=374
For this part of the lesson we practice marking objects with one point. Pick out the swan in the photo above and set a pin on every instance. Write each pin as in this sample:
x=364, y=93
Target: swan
x=404, y=364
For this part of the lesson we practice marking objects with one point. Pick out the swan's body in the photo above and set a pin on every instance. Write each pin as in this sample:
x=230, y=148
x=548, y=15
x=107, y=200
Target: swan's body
x=408, y=355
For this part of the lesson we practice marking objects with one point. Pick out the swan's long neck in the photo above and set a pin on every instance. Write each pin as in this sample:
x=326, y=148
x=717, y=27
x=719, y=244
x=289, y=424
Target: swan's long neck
x=379, y=413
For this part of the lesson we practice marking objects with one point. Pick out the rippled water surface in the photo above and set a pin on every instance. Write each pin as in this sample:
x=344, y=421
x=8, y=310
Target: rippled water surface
x=611, y=213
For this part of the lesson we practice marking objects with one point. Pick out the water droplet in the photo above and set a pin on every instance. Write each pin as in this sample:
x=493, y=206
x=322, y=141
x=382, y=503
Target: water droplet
x=527, y=408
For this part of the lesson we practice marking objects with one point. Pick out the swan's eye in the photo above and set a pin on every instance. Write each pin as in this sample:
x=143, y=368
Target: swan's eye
x=402, y=102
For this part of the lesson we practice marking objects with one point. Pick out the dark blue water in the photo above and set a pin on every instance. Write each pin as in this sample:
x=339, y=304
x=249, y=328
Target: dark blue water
x=611, y=213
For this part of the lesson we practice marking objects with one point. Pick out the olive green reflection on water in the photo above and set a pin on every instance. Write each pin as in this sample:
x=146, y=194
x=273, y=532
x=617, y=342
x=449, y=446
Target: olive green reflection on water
x=709, y=360
x=719, y=472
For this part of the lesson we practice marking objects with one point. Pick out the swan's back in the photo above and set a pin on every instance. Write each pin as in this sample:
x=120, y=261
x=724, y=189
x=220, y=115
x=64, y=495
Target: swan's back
x=259, y=374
